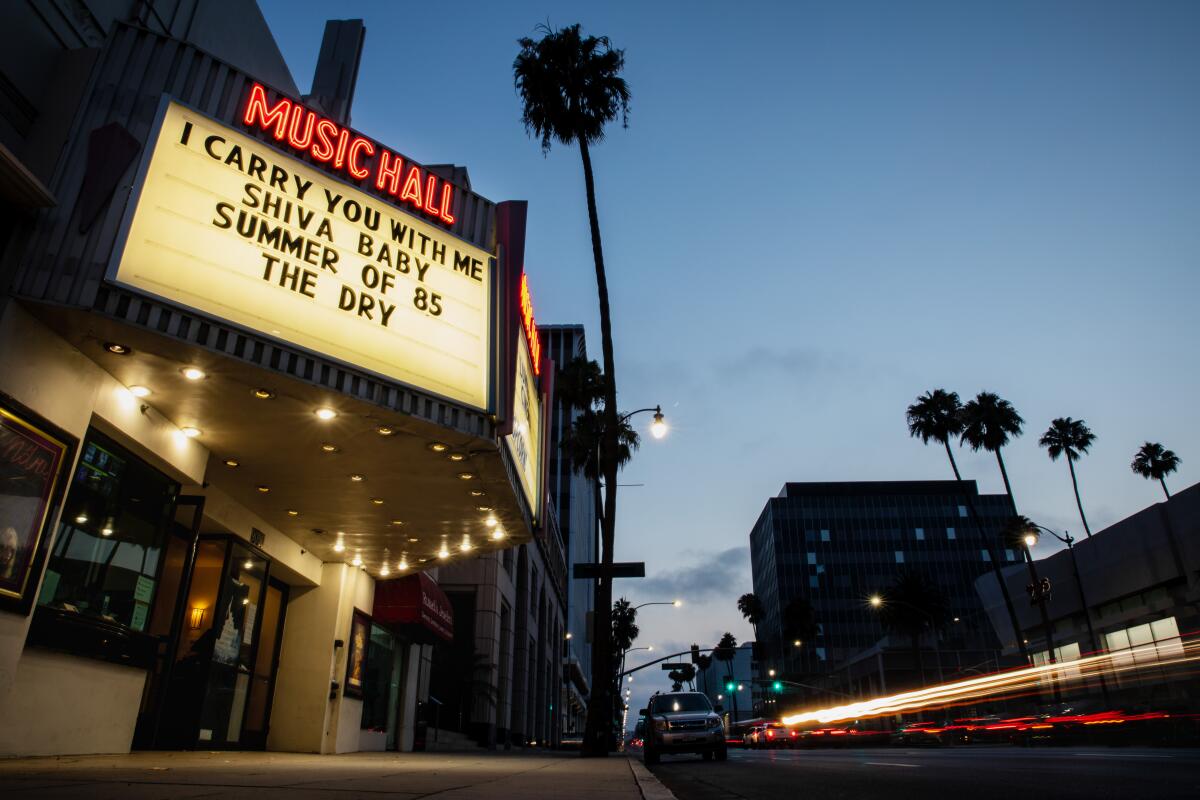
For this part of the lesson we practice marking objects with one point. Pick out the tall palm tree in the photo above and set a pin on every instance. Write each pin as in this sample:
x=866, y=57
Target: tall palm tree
x=752, y=610
x=571, y=88
x=624, y=624
x=1155, y=462
x=725, y=652
x=703, y=662
x=936, y=415
x=1073, y=438
x=989, y=422
x=913, y=605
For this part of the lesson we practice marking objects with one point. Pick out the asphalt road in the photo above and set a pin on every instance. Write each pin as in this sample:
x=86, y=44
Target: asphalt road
x=973, y=773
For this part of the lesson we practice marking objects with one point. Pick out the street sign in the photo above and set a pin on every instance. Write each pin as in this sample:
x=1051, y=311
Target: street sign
x=669, y=667
x=619, y=569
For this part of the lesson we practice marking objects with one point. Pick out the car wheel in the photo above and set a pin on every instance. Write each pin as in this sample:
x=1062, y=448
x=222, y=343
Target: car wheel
x=721, y=753
x=649, y=756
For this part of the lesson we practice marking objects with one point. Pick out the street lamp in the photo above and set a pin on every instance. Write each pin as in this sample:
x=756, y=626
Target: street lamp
x=1069, y=541
x=675, y=603
x=658, y=428
x=1020, y=530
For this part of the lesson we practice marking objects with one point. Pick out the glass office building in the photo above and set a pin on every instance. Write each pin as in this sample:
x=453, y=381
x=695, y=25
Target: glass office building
x=836, y=544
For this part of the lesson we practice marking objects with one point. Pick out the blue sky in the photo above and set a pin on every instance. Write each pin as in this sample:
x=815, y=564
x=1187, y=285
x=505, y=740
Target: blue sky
x=821, y=210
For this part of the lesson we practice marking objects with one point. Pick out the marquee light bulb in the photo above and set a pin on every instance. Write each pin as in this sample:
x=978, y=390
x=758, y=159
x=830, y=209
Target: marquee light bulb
x=325, y=413
x=193, y=373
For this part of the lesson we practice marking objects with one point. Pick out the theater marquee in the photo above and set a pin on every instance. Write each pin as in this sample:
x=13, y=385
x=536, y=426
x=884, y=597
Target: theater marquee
x=231, y=227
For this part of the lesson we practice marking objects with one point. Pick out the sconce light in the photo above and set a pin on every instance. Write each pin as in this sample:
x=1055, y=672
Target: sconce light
x=196, y=620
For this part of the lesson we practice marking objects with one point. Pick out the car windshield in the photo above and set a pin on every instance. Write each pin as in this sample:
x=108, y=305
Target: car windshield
x=668, y=703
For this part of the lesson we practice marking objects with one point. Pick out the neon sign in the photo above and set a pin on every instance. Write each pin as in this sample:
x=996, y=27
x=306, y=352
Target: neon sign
x=326, y=141
x=530, y=325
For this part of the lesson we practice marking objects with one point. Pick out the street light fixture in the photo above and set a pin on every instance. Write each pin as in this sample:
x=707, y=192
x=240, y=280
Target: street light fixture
x=876, y=601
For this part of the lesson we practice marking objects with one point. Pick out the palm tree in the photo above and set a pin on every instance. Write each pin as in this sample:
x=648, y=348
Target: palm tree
x=752, y=610
x=684, y=673
x=703, y=662
x=624, y=624
x=725, y=652
x=1072, y=437
x=1155, y=462
x=988, y=423
x=912, y=604
x=571, y=88
x=936, y=415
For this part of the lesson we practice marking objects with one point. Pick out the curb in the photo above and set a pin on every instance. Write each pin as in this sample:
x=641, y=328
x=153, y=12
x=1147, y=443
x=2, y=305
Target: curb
x=650, y=786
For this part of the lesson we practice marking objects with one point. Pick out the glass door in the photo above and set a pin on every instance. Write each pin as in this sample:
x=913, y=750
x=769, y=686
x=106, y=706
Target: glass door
x=266, y=660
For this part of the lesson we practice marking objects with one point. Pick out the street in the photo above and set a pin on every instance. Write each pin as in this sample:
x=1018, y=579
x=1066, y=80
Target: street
x=968, y=772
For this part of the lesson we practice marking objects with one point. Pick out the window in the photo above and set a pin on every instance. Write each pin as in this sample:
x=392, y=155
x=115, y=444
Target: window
x=814, y=582
x=110, y=540
x=950, y=534
x=899, y=556
x=920, y=532
x=824, y=534
x=1142, y=646
x=821, y=653
x=986, y=555
x=812, y=558
x=1008, y=553
x=378, y=679
x=962, y=511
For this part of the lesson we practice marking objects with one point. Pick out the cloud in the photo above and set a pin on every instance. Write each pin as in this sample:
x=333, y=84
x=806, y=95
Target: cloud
x=797, y=363
x=712, y=576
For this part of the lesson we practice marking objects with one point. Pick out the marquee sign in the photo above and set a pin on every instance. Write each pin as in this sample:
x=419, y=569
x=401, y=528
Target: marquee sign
x=525, y=441
x=229, y=226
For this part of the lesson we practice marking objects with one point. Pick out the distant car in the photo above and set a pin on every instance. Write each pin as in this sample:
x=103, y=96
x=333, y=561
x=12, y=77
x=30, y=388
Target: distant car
x=769, y=734
x=682, y=722
x=570, y=741
x=918, y=733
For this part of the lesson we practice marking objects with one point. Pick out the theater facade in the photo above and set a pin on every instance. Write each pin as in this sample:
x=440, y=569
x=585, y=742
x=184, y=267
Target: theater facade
x=261, y=376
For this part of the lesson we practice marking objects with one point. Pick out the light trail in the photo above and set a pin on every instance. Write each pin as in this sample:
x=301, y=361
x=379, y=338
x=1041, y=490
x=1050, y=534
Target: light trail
x=1028, y=680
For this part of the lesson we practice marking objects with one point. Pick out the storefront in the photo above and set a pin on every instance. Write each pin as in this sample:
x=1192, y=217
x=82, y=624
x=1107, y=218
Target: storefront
x=258, y=373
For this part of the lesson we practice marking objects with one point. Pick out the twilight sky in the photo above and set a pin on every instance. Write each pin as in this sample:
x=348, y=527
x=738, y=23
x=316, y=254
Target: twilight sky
x=821, y=210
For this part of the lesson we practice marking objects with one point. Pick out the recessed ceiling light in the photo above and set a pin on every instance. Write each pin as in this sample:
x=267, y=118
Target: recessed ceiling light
x=232, y=462
x=438, y=447
x=358, y=478
x=116, y=348
x=385, y=430
x=397, y=522
x=293, y=512
x=263, y=489
x=384, y=570
x=190, y=432
x=444, y=552
x=193, y=373
x=377, y=501
x=403, y=565
x=139, y=391
x=478, y=493
x=81, y=519
x=248, y=564
x=456, y=457
x=466, y=476
x=329, y=448
x=413, y=539
x=263, y=394
x=339, y=546
x=325, y=413
x=491, y=520
x=497, y=533
x=357, y=560
x=107, y=530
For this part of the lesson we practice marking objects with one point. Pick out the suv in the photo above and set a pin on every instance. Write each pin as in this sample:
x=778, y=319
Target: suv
x=682, y=722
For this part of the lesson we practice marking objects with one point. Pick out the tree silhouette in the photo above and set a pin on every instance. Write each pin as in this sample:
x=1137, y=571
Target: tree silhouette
x=571, y=88
x=1155, y=462
x=1070, y=437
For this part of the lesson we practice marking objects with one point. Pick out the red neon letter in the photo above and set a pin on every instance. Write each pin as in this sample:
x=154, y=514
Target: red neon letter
x=388, y=171
x=430, y=188
x=293, y=133
x=411, y=193
x=322, y=149
x=339, y=155
x=444, y=211
x=256, y=107
x=352, y=166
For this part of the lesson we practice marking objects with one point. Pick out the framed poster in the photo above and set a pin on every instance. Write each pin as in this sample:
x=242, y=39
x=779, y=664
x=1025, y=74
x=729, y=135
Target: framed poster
x=356, y=654
x=35, y=459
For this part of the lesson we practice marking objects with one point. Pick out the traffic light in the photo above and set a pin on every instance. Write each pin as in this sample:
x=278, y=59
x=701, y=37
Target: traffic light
x=777, y=686
x=729, y=686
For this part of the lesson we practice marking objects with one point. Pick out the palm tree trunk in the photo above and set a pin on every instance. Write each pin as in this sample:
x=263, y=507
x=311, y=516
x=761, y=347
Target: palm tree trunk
x=599, y=721
x=1078, y=502
x=993, y=556
x=1007, y=486
x=953, y=463
x=1162, y=482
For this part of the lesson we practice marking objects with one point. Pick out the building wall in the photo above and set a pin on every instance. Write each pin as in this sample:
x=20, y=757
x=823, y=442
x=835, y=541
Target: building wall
x=835, y=544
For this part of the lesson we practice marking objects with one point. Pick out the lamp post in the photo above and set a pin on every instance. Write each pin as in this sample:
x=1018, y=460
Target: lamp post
x=877, y=602
x=1069, y=541
x=1027, y=539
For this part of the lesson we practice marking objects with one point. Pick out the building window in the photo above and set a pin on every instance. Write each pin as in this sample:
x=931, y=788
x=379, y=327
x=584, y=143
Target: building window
x=950, y=534
x=821, y=653
x=920, y=532
x=1010, y=555
x=899, y=556
x=1143, y=646
x=824, y=534
x=986, y=555
x=814, y=582
x=106, y=555
x=812, y=559
x=962, y=511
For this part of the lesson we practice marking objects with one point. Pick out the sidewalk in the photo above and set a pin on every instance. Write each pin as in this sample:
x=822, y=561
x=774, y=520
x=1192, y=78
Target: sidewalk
x=267, y=776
